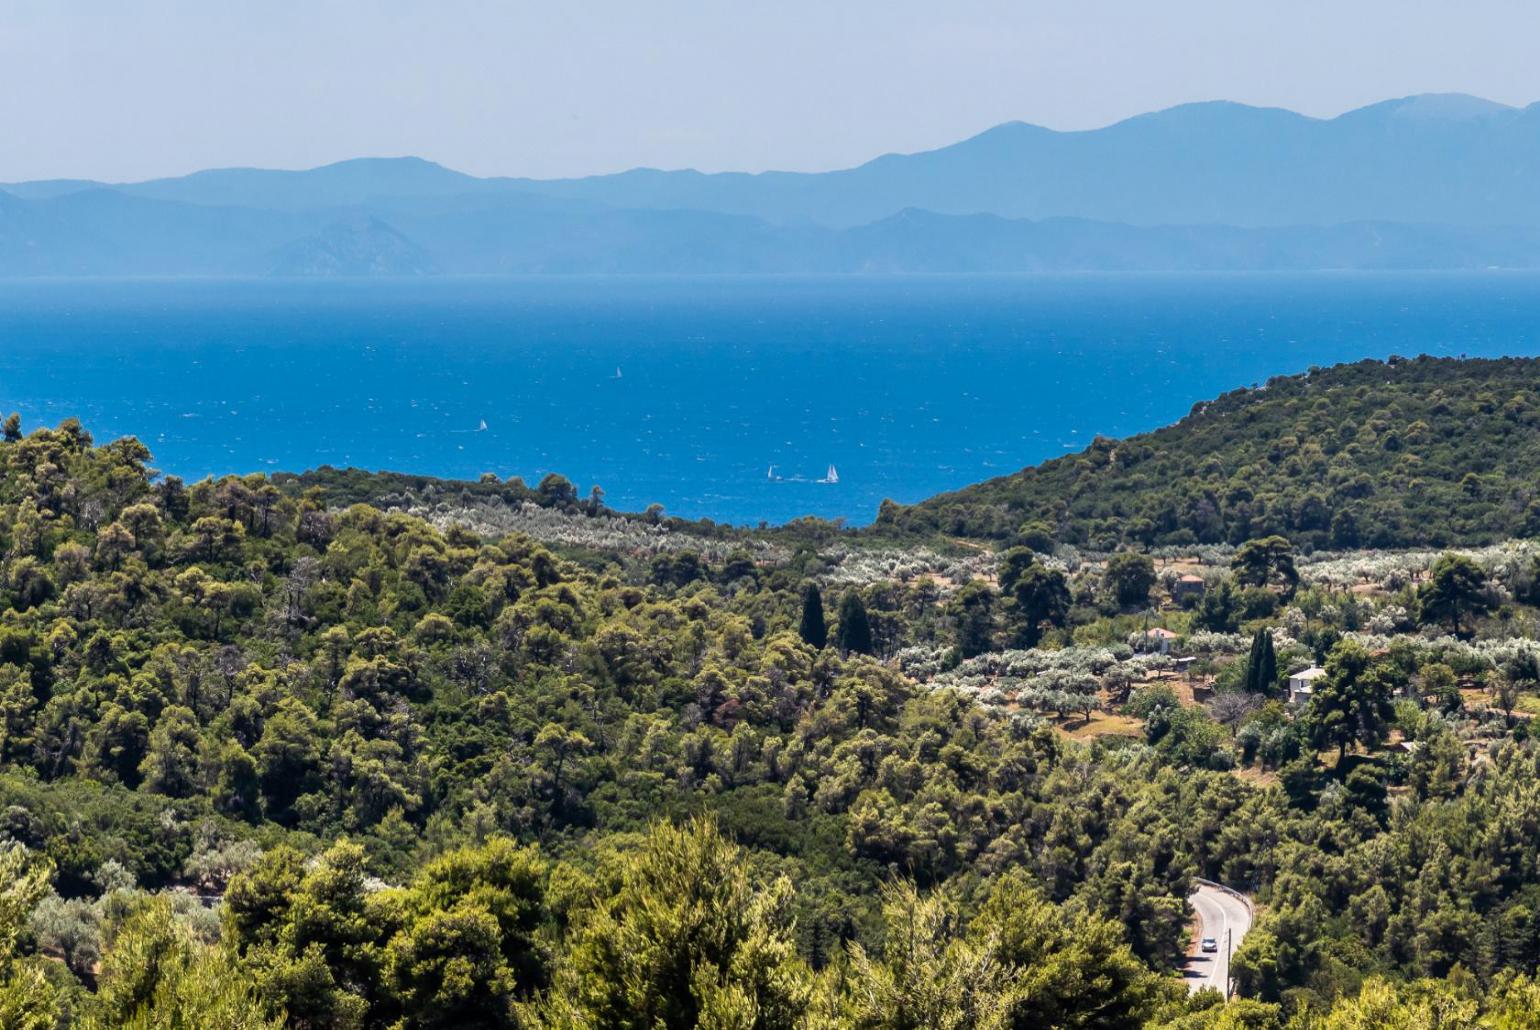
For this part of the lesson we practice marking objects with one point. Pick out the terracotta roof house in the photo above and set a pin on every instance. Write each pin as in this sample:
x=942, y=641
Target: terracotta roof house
x=1187, y=586
x=1159, y=640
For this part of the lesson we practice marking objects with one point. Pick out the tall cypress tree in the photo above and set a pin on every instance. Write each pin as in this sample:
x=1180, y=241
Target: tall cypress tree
x=1262, y=664
x=855, y=632
x=813, y=629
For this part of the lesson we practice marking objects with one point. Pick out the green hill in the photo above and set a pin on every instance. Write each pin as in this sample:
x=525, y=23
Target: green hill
x=272, y=757
x=1429, y=451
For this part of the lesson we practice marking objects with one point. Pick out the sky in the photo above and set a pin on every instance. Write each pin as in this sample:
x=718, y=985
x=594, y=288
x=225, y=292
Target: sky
x=123, y=90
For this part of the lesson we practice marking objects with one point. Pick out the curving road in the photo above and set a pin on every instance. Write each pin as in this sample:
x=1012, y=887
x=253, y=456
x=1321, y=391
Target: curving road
x=1219, y=912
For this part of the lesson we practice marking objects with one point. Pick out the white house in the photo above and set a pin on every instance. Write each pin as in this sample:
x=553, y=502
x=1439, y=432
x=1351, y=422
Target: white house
x=1157, y=640
x=1302, y=684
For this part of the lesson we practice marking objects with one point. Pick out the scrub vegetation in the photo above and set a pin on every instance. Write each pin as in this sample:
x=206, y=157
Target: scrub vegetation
x=348, y=750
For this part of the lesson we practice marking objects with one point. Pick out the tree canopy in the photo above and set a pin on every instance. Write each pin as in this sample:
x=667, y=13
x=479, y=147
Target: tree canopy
x=1398, y=453
x=309, y=751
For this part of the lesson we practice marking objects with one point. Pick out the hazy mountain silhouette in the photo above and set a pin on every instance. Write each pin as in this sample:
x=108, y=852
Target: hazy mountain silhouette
x=1431, y=158
x=100, y=231
x=1432, y=181
x=358, y=245
x=344, y=184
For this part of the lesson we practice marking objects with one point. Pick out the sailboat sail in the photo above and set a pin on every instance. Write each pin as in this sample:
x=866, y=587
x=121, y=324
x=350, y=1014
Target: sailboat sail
x=832, y=476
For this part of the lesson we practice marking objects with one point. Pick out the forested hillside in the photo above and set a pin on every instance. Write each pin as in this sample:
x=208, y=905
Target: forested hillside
x=1405, y=453
x=267, y=760
x=214, y=681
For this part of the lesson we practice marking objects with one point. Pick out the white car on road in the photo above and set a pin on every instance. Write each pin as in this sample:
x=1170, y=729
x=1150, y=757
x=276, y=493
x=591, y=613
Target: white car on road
x=1224, y=917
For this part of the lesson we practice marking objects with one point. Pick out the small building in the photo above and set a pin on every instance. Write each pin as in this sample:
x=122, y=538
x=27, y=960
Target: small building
x=1157, y=640
x=1302, y=684
x=1188, y=586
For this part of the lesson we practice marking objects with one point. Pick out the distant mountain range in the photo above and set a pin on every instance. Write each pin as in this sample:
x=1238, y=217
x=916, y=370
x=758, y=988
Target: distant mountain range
x=1433, y=181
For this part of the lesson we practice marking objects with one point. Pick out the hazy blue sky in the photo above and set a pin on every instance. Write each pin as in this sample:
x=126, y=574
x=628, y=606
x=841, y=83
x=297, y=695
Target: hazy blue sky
x=120, y=90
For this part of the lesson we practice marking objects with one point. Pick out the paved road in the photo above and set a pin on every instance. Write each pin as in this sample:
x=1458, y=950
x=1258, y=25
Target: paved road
x=1218, y=912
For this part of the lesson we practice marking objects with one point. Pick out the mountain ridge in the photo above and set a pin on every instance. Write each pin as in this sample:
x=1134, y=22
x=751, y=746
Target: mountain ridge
x=1449, y=176
x=101, y=232
x=1444, y=102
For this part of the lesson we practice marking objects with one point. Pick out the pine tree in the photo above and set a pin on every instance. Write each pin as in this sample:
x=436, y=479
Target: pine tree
x=28, y=999
x=855, y=632
x=1352, y=703
x=157, y=975
x=687, y=938
x=813, y=629
x=1455, y=593
x=973, y=614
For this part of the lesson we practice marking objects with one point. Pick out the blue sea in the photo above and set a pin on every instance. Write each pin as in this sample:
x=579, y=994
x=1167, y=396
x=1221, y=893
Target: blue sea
x=687, y=391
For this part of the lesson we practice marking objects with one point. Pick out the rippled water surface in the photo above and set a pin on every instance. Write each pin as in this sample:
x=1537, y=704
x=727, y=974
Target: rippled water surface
x=686, y=391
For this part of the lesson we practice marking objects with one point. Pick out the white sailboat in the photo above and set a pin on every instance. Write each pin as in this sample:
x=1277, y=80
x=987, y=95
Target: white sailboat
x=831, y=476
x=617, y=374
x=483, y=427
